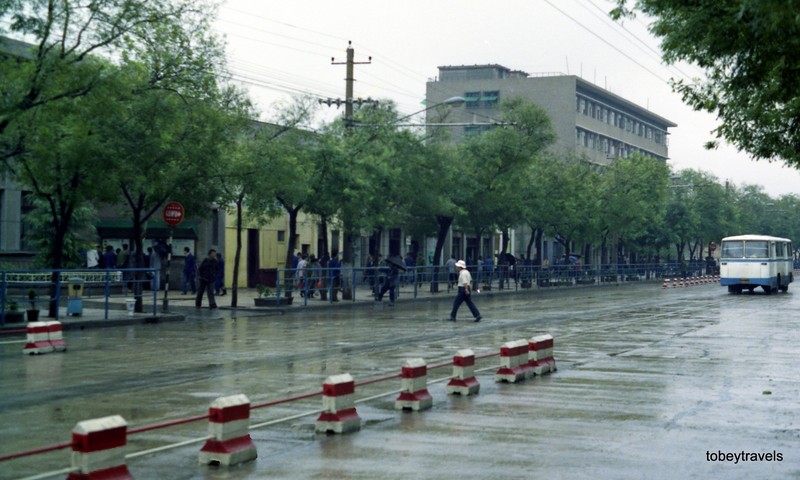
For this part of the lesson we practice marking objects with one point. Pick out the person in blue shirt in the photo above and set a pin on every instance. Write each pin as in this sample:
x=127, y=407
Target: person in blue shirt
x=189, y=271
x=109, y=258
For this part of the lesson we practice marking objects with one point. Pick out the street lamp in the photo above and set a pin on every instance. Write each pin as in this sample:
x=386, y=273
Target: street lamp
x=450, y=102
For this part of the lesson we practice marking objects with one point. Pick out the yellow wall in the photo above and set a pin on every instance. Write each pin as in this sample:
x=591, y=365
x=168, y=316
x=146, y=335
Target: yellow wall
x=272, y=253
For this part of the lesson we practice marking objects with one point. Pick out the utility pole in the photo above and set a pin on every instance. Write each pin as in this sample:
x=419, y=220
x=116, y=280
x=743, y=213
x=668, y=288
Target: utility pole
x=349, y=101
x=348, y=90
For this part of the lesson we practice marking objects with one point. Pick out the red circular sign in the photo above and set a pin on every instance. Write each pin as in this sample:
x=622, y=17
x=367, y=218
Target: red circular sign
x=173, y=213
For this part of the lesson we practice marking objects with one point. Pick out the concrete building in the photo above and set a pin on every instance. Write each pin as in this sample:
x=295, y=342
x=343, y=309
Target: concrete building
x=588, y=120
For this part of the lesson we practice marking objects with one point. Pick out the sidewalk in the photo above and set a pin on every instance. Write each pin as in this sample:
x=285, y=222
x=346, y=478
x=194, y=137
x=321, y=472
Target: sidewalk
x=180, y=306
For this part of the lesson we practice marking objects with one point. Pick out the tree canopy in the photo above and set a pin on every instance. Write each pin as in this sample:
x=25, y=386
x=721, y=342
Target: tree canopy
x=748, y=50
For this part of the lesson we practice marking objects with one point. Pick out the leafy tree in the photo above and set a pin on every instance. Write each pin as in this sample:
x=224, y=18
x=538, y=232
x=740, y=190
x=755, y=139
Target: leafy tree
x=570, y=211
x=68, y=34
x=63, y=99
x=500, y=162
x=285, y=155
x=632, y=196
x=748, y=49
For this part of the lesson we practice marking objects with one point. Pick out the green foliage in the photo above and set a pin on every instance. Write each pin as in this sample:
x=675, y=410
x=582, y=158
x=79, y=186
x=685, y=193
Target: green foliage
x=748, y=50
x=263, y=291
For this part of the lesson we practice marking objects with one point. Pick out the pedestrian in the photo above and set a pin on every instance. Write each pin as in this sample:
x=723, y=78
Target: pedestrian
x=464, y=292
x=189, y=272
x=93, y=257
x=335, y=269
x=313, y=276
x=390, y=281
x=109, y=258
x=323, y=283
x=219, y=279
x=450, y=265
x=408, y=277
x=123, y=262
x=369, y=278
x=207, y=272
x=301, y=273
x=155, y=264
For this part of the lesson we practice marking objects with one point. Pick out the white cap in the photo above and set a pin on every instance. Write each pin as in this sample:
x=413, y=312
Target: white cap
x=461, y=264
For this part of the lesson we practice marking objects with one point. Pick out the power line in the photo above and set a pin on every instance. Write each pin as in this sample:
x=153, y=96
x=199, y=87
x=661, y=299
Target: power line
x=606, y=42
x=658, y=54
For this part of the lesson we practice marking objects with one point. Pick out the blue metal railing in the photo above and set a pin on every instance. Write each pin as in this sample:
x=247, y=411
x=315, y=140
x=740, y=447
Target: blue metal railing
x=355, y=283
x=48, y=287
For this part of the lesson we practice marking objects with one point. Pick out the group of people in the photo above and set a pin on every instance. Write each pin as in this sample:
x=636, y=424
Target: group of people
x=210, y=274
x=124, y=258
x=318, y=275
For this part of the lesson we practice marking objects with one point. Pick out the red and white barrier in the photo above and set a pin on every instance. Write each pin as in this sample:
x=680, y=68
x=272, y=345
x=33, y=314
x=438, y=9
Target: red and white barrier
x=229, y=423
x=38, y=340
x=338, y=403
x=463, y=381
x=666, y=283
x=513, y=362
x=98, y=450
x=540, y=356
x=55, y=336
x=414, y=385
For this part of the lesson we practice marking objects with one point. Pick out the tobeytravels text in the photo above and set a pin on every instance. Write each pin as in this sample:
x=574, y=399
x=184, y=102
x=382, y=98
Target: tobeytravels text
x=720, y=456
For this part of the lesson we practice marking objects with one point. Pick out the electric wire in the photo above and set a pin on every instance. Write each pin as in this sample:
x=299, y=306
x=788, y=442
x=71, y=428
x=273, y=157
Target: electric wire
x=574, y=20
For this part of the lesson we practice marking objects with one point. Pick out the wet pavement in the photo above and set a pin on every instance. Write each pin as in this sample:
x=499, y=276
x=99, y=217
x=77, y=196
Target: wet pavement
x=651, y=383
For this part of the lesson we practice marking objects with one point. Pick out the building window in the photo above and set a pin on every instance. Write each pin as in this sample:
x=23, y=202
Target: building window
x=490, y=99
x=472, y=99
x=281, y=236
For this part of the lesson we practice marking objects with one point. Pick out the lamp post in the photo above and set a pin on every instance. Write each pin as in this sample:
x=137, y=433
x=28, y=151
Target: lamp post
x=450, y=102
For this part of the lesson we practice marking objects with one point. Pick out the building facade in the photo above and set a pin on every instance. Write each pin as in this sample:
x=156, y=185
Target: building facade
x=588, y=121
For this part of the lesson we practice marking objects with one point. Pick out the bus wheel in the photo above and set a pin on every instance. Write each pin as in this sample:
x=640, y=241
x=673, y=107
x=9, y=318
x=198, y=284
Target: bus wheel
x=768, y=289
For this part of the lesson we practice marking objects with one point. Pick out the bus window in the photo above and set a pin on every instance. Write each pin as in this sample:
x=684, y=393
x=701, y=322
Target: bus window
x=733, y=249
x=756, y=249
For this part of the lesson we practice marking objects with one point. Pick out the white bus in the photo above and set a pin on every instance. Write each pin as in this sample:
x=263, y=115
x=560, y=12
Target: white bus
x=750, y=261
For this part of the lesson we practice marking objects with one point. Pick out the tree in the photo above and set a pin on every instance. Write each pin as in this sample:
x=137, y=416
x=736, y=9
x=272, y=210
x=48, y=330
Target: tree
x=500, y=161
x=68, y=34
x=58, y=122
x=748, y=49
x=570, y=211
x=632, y=197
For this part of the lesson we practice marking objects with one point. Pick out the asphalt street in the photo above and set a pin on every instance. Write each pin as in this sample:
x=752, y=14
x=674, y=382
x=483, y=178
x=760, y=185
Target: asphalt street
x=651, y=383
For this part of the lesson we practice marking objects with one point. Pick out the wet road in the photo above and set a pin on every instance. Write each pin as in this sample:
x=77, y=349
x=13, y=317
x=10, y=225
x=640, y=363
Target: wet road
x=652, y=383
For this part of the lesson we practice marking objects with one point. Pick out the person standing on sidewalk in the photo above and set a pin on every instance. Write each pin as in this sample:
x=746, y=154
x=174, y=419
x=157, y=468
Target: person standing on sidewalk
x=207, y=273
x=219, y=279
x=189, y=272
x=464, y=292
x=335, y=269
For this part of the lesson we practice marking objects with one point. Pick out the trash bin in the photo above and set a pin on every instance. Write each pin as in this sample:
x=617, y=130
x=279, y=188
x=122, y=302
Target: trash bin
x=74, y=296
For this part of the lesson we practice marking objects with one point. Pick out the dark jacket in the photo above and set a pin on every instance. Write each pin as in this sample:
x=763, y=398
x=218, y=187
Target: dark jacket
x=208, y=269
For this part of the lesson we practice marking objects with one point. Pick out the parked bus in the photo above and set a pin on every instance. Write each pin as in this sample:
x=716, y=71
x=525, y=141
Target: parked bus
x=750, y=261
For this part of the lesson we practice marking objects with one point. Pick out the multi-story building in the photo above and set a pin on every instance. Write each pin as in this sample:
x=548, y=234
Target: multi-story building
x=588, y=120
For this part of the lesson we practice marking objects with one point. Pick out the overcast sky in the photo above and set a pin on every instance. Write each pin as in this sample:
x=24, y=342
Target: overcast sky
x=281, y=48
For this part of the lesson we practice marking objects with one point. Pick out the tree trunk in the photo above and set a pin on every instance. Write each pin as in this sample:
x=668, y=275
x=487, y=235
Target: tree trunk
x=293, y=213
x=444, y=228
x=238, y=255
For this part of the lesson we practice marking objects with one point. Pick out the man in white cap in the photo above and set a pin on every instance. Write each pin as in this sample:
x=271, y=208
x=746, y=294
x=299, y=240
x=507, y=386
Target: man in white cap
x=464, y=290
